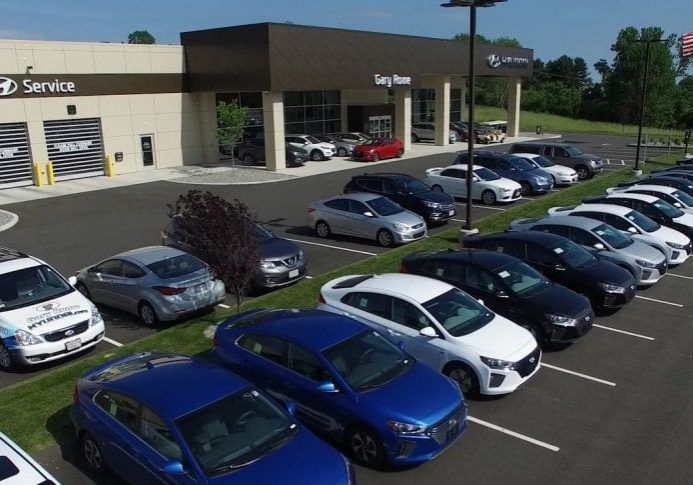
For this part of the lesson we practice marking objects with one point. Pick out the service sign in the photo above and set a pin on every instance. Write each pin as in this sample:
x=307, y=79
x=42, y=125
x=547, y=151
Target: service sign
x=28, y=86
x=391, y=80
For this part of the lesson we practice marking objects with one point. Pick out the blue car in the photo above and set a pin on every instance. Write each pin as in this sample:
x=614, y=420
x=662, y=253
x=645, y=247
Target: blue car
x=349, y=383
x=167, y=418
x=533, y=180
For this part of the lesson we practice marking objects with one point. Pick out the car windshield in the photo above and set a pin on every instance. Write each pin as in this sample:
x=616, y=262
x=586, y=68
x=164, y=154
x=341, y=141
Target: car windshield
x=263, y=234
x=486, y=174
x=235, y=431
x=367, y=360
x=176, y=266
x=522, y=164
x=642, y=221
x=384, y=207
x=683, y=197
x=312, y=139
x=613, y=237
x=458, y=313
x=572, y=151
x=415, y=186
x=542, y=161
x=667, y=209
x=373, y=142
x=573, y=254
x=522, y=279
x=30, y=286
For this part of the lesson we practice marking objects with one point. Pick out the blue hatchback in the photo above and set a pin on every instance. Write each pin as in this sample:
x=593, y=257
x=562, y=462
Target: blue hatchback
x=533, y=180
x=348, y=381
x=166, y=418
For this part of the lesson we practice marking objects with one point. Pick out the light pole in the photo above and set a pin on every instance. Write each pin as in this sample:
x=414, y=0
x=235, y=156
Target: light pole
x=472, y=4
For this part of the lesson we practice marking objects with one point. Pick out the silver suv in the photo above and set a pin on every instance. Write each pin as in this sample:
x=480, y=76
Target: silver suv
x=586, y=165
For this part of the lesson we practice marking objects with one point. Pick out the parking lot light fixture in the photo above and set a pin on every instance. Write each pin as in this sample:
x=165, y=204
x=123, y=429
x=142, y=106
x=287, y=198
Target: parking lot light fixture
x=472, y=4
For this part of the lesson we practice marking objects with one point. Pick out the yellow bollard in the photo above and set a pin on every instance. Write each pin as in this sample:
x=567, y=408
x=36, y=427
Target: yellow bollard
x=36, y=172
x=108, y=166
x=50, y=178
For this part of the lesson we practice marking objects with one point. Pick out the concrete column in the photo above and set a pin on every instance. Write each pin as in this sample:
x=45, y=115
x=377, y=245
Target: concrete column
x=514, y=95
x=442, y=130
x=273, y=117
x=403, y=117
x=208, y=126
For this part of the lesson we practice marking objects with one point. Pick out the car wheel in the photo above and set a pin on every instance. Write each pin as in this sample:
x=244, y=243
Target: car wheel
x=5, y=358
x=322, y=229
x=526, y=189
x=376, y=157
x=414, y=138
x=465, y=377
x=488, y=197
x=385, y=238
x=341, y=152
x=436, y=188
x=317, y=156
x=400, y=152
x=583, y=172
x=248, y=160
x=555, y=180
x=92, y=454
x=81, y=287
x=365, y=446
x=147, y=314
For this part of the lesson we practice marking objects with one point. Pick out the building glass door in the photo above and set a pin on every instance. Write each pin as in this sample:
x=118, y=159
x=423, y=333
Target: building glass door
x=147, y=144
x=380, y=126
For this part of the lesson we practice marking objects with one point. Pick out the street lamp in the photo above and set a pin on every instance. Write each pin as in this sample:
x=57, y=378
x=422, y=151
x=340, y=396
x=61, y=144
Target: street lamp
x=472, y=4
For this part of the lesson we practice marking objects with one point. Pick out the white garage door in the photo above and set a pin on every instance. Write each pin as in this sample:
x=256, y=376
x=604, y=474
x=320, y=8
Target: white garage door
x=74, y=147
x=15, y=156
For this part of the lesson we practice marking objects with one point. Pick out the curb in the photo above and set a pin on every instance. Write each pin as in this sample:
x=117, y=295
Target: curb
x=14, y=218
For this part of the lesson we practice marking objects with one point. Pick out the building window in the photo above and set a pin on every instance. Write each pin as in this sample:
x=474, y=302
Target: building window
x=312, y=112
x=423, y=105
x=455, y=105
x=254, y=122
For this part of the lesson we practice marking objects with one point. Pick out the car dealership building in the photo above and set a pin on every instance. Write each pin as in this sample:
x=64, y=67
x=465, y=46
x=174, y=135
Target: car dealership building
x=153, y=106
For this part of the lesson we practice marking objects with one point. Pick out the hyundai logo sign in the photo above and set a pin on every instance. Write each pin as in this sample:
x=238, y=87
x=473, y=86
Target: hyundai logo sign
x=7, y=86
x=495, y=61
x=47, y=307
x=532, y=360
x=69, y=332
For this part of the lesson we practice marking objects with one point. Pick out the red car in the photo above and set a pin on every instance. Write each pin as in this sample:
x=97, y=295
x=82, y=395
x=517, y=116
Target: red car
x=378, y=148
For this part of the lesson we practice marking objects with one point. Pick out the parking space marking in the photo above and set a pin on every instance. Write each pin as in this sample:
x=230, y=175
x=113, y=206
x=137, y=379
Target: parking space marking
x=112, y=342
x=528, y=198
x=332, y=247
x=680, y=276
x=677, y=305
x=223, y=305
x=513, y=433
x=459, y=220
x=578, y=374
x=482, y=207
x=611, y=329
x=308, y=277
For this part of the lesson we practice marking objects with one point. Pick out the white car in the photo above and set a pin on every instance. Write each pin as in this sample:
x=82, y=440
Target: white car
x=441, y=326
x=677, y=198
x=317, y=150
x=487, y=185
x=561, y=174
x=426, y=131
x=18, y=468
x=673, y=244
x=42, y=316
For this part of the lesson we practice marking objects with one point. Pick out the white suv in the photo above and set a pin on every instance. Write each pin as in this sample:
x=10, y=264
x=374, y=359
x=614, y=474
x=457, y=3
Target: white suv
x=441, y=326
x=317, y=150
x=42, y=316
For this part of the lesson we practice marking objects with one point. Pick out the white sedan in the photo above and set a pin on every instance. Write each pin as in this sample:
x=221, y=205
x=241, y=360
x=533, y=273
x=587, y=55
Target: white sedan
x=18, y=468
x=487, y=186
x=561, y=174
x=441, y=326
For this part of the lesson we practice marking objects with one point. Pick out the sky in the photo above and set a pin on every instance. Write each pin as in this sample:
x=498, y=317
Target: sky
x=578, y=28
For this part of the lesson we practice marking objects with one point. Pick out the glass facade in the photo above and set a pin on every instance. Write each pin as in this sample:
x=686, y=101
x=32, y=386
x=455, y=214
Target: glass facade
x=254, y=122
x=423, y=105
x=312, y=112
x=455, y=105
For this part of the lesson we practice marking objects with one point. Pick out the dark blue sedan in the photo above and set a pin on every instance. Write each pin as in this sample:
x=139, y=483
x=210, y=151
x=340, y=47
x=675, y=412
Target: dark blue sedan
x=533, y=180
x=166, y=418
x=348, y=381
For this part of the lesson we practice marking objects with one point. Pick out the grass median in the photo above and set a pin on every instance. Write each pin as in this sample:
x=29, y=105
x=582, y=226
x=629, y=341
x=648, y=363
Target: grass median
x=35, y=413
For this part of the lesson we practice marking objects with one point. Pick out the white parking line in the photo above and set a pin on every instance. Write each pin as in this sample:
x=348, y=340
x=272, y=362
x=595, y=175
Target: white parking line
x=308, y=277
x=459, y=220
x=554, y=190
x=680, y=276
x=677, y=305
x=513, y=433
x=112, y=342
x=611, y=329
x=331, y=247
x=483, y=207
x=222, y=305
x=528, y=198
x=578, y=374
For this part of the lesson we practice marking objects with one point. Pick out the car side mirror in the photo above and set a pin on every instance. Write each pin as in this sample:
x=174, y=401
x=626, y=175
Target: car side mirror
x=173, y=467
x=368, y=214
x=428, y=332
x=501, y=294
x=327, y=386
x=559, y=267
x=481, y=302
x=475, y=179
x=678, y=205
x=290, y=407
x=632, y=230
x=72, y=280
x=599, y=246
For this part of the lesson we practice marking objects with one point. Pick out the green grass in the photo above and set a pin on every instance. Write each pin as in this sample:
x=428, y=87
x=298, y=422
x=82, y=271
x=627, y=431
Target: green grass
x=35, y=412
x=562, y=124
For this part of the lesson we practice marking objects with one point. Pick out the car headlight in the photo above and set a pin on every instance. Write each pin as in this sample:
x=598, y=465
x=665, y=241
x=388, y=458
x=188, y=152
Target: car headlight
x=432, y=205
x=560, y=320
x=645, y=264
x=612, y=288
x=26, y=338
x=505, y=191
x=399, y=227
x=497, y=363
x=405, y=428
x=593, y=163
x=676, y=246
x=96, y=317
x=267, y=264
x=301, y=254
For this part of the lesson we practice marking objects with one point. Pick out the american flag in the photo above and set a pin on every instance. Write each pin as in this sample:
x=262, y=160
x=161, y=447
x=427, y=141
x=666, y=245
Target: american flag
x=687, y=45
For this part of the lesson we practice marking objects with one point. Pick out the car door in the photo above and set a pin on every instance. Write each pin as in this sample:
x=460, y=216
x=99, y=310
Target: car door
x=490, y=289
x=131, y=286
x=104, y=277
x=394, y=192
x=338, y=215
x=621, y=223
x=547, y=151
x=650, y=211
x=453, y=182
x=264, y=363
x=370, y=185
x=357, y=222
x=585, y=238
x=548, y=263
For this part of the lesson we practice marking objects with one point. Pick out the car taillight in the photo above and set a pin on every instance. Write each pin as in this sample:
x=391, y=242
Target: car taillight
x=321, y=299
x=403, y=269
x=215, y=340
x=75, y=395
x=311, y=209
x=168, y=290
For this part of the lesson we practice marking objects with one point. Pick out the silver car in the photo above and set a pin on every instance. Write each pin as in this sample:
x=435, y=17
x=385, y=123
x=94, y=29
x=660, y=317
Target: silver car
x=368, y=216
x=344, y=147
x=157, y=283
x=644, y=262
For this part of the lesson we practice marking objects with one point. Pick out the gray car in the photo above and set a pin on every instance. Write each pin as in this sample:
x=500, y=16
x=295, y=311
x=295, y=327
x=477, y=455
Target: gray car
x=644, y=262
x=368, y=216
x=156, y=283
x=344, y=147
x=585, y=164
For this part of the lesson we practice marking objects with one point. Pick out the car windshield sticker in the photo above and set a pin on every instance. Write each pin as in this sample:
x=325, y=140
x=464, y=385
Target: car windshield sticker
x=558, y=250
x=600, y=233
x=504, y=274
x=113, y=408
x=363, y=302
x=439, y=271
x=257, y=347
x=630, y=218
x=499, y=249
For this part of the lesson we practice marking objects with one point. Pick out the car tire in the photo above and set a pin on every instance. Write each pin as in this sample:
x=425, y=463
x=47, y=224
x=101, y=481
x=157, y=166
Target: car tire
x=414, y=138
x=376, y=157
x=437, y=188
x=147, y=314
x=465, y=377
x=92, y=454
x=365, y=446
x=322, y=229
x=526, y=189
x=342, y=152
x=583, y=172
x=6, y=362
x=400, y=152
x=82, y=288
x=248, y=160
x=488, y=197
x=555, y=180
x=385, y=238
x=317, y=156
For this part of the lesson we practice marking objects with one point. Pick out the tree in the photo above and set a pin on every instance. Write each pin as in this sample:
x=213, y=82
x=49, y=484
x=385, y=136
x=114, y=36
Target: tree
x=224, y=235
x=141, y=37
x=231, y=118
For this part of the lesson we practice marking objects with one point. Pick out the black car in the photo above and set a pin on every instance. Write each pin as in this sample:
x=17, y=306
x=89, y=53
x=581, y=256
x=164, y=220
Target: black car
x=688, y=167
x=252, y=152
x=683, y=185
x=685, y=161
x=409, y=192
x=605, y=284
x=508, y=286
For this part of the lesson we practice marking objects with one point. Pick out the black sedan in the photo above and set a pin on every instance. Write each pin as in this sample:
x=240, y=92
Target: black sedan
x=662, y=179
x=607, y=285
x=508, y=286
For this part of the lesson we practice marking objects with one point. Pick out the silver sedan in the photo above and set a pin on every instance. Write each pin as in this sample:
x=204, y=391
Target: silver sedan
x=157, y=283
x=368, y=216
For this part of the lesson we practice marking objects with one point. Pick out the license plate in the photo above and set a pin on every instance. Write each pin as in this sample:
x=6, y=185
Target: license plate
x=293, y=273
x=200, y=288
x=73, y=344
x=452, y=432
x=451, y=213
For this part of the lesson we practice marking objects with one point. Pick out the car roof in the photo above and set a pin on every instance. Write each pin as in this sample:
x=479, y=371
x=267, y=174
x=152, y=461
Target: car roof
x=632, y=195
x=659, y=188
x=610, y=208
x=462, y=166
x=573, y=221
x=9, y=264
x=481, y=257
x=540, y=237
x=359, y=196
x=172, y=385
x=387, y=175
x=527, y=155
x=150, y=254
x=418, y=288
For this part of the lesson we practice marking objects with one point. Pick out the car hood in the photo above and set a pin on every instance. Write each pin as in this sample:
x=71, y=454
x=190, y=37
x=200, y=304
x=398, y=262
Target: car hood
x=640, y=250
x=560, y=169
x=559, y=300
x=420, y=395
x=538, y=172
x=502, y=183
x=405, y=217
x=365, y=148
x=587, y=157
x=668, y=234
x=604, y=271
x=278, y=248
x=49, y=315
x=433, y=196
x=686, y=219
x=500, y=339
